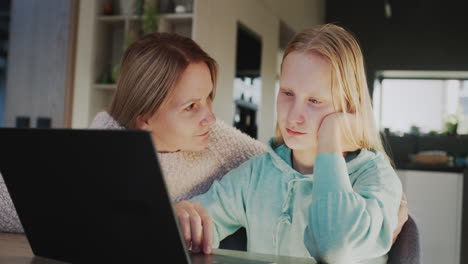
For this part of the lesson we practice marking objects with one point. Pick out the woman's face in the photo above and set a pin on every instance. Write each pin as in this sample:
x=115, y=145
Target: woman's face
x=304, y=98
x=183, y=123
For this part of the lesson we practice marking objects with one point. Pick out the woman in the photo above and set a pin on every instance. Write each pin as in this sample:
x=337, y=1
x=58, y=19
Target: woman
x=166, y=86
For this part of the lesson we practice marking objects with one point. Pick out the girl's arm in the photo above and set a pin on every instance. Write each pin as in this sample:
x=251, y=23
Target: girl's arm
x=208, y=218
x=350, y=223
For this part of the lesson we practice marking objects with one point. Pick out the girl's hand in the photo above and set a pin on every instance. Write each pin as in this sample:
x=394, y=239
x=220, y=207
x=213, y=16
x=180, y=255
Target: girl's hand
x=333, y=135
x=196, y=224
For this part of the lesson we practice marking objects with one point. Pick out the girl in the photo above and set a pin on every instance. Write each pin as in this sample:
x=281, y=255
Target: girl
x=325, y=188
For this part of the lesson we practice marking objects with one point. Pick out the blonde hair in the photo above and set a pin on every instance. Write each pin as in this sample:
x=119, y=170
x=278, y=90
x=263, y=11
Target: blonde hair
x=149, y=70
x=348, y=79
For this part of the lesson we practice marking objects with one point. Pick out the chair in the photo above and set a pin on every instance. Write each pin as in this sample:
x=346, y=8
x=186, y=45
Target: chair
x=236, y=241
x=405, y=250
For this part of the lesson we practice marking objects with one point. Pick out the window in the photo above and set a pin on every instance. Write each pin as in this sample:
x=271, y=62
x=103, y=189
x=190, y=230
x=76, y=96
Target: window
x=414, y=105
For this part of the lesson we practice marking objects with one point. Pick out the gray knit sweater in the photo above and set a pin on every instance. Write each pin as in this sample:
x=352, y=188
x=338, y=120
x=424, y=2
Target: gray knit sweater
x=187, y=174
x=9, y=221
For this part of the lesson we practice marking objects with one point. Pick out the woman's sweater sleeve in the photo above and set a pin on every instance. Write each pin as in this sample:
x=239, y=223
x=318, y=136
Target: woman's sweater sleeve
x=352, y=222
x=233, y=146
x=9, y=221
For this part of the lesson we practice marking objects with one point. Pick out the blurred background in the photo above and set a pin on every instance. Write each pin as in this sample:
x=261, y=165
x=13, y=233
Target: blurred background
x=59, y=64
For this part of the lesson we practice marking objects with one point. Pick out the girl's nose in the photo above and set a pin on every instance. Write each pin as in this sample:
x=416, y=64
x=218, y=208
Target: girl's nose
x=296, y=115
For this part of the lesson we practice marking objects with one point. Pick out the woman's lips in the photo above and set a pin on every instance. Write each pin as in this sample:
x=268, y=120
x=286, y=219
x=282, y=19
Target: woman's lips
x=204, y=134
x=294, y=133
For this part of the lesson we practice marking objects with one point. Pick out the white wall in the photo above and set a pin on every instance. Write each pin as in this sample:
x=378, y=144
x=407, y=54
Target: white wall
x=37, y=77
x=215, y=29
x=84, y=77
x=298, y=14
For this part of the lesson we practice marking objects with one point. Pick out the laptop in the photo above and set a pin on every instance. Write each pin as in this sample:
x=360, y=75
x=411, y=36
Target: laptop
x=87, y=196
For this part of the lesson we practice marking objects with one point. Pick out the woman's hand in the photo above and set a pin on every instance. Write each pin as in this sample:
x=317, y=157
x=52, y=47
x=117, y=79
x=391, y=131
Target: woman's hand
x=402, y=217
x=333, y=137
x=196, y=224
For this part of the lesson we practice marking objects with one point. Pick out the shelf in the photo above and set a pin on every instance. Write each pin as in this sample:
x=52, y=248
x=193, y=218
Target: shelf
x=108, y=42
x=121, y=19
x=429, y=167
x=105, y=87
x=247, y=73
x=176, y=17
x=118, y=18
x=176, y=23
x=246, y=104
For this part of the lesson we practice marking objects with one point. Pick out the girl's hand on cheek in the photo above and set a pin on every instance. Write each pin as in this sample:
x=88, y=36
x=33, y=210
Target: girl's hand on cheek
x=333, y=137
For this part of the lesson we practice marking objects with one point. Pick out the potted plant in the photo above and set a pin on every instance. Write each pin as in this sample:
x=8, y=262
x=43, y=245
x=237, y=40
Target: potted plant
x=149, y=16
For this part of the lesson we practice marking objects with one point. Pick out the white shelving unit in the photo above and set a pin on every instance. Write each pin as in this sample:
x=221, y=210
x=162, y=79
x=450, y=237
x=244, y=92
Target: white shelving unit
x=111, y=32
x=117, y=18
x=181, y=24
x=105, y=87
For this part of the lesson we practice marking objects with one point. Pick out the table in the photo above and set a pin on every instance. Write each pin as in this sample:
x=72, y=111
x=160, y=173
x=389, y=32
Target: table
x=15, y=249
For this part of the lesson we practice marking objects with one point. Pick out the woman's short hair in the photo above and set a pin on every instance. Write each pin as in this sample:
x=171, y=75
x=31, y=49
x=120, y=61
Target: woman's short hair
x=150, y=67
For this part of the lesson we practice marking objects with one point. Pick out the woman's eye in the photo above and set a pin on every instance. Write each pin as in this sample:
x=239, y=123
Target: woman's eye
x=314, y=101
x=189, y=108
x=288, y=93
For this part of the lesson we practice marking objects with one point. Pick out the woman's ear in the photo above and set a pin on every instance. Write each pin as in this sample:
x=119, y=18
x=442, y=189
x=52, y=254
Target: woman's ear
x=142, y=123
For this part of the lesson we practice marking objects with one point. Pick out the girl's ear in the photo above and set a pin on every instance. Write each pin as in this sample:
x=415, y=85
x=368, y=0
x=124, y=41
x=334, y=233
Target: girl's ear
x=142, y=123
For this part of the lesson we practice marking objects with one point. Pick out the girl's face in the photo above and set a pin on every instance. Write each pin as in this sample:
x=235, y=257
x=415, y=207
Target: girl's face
x=304, y=99
x=183, y=123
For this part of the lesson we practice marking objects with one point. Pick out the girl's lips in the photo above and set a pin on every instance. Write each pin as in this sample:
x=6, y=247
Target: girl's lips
x=294, y=133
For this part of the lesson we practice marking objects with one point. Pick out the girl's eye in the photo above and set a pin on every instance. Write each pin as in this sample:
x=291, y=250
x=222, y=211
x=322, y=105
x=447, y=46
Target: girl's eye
x=314, y=101
x=190, y=107
x=288, y=93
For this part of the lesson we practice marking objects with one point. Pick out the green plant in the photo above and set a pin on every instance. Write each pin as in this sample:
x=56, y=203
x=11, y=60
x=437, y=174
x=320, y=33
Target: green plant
x=150, y=18
x=414, y=130
x=148, y=13
x=451, y=125
x=128, y=39
x=115, y=72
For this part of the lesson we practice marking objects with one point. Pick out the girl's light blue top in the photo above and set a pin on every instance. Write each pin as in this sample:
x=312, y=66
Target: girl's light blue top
x=345, y=212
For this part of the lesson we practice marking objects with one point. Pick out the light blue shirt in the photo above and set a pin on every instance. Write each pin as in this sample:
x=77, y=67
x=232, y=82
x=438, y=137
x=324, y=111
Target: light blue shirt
x=345, y=212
